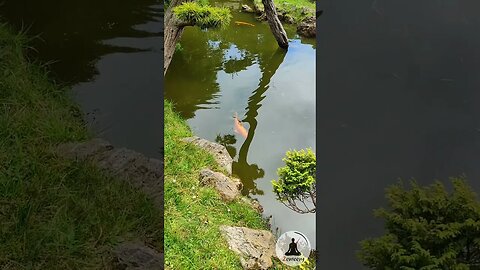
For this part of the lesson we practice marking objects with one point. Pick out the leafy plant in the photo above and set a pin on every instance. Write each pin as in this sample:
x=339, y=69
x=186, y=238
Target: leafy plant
x=427, y=228
x=295, y=187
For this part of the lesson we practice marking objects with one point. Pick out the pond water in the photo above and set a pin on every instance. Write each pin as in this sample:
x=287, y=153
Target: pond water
x=110, y=53
x=217, y=73
x=399, y=97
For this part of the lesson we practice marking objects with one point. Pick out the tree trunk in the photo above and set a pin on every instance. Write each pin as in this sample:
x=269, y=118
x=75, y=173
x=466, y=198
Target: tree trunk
x=275, y=24
x=172, y=33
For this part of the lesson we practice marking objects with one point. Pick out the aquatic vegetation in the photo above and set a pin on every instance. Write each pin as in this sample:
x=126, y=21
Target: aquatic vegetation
x=178, y=47
x=202, y=15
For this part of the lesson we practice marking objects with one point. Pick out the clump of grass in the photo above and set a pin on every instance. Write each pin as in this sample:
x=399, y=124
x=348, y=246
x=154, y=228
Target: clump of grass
x=193, y=213
x=54, y=213
x=298, y=10
x=202, y=15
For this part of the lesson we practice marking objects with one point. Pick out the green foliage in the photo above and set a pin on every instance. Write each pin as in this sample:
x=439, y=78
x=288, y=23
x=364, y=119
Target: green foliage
x=298, y=175
x=178, y=47
x=427, y=228
x=202, y=15
x=297, y=178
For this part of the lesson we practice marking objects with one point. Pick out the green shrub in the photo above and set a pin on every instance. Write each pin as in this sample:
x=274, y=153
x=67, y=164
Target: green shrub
x=427, y=228
x=296, y=181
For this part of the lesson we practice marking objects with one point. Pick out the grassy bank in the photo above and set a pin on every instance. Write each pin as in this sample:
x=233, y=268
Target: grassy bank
x=194, y=213
x=298, y=10
x=55, y=214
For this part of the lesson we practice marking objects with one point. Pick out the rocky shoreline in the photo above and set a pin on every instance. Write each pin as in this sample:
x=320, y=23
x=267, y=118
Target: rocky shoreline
x=255, y=248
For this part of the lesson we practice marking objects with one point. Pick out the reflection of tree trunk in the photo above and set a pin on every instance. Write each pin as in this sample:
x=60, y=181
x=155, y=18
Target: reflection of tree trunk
x=172, y=33
x=251, y=172
x=275, y=24
x=270, y=67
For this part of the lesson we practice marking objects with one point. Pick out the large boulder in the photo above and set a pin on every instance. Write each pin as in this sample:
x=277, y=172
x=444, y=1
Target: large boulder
x=136, y=256
x=218, y=151
x=255, y=247
x=228, y=188
x=308, y=28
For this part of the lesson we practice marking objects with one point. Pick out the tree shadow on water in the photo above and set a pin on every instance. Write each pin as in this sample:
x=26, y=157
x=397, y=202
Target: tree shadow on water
x=248, y=173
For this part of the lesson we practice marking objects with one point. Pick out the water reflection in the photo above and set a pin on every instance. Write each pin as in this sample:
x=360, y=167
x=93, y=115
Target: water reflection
x=110, y=54
x=71, y=33
x=249, y=173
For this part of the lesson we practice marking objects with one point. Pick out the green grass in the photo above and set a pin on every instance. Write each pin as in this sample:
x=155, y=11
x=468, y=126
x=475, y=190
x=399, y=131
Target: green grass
x=194, y=213
x=299, y=10
x=202, y=15
x=56, y=214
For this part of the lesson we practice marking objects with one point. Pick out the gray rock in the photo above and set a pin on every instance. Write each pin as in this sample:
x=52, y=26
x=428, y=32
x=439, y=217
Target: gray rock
x=129, y=256
x=259, y=9
x=229, y=188
x=140, y=171
x=288, y=19
x=218, y=151
x=308, y=28
x=305, y=11
x=255, y=247
x=247, y=8
x=83, y=151
x=253, y=203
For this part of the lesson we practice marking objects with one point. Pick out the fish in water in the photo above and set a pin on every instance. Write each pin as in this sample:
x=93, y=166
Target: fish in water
x=238, y=127
x=244, y=23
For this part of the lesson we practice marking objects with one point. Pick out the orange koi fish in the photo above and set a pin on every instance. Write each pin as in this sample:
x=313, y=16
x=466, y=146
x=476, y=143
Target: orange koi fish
x=238, y=127
x=244, y=23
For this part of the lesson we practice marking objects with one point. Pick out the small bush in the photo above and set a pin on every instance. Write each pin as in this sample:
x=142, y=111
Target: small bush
x=297, y=179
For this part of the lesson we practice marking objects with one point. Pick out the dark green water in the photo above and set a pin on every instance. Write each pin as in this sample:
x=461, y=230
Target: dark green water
x=398, y=98
x=110, y=53
x=240, y=69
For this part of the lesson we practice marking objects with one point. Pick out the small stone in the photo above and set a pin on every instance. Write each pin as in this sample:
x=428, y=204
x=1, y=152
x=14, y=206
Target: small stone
x=130, y=256
x=307, y=28
x=305, y=11
x=254, y=204
x=288, y=19
x=218, y=151
x=84, y=150
x=247, y=8
x=229, y=188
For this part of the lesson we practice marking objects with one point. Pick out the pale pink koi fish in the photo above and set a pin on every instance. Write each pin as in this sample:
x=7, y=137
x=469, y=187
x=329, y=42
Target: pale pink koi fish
x=238, y=127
